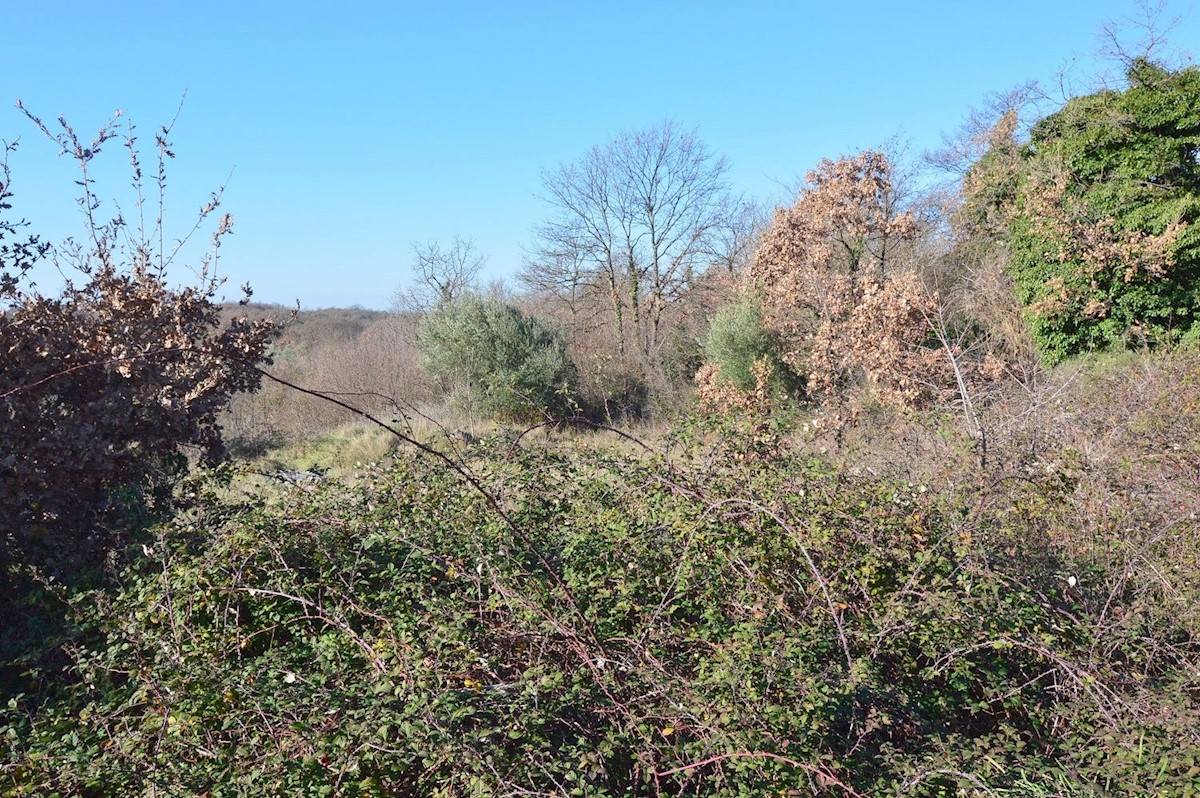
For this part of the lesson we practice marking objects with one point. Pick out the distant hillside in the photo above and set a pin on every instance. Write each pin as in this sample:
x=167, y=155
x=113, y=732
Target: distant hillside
x=310, y=327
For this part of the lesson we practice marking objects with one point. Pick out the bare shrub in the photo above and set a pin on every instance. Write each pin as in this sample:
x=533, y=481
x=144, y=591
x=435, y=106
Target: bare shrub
x=378, y=369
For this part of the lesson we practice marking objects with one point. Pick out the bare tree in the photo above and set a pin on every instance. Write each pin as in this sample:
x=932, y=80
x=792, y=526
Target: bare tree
x=439, y=274
x=1143, y=35
x=976, y=136
x=568, y=280
x=635, y=222
x=735, y=237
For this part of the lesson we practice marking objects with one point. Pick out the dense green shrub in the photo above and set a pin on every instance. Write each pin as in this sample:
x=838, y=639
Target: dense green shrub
x=738, y=339
x=620, y=627
x=1102, y=205
x=496, y=359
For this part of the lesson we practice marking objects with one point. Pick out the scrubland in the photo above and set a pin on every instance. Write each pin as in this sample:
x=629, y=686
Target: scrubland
x=885, y=492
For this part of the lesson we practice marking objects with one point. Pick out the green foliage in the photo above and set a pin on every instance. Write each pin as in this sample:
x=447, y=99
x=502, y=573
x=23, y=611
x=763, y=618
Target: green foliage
x=738, y=618
x=761, y=624
x=1105, y=245
x=496, y=359
x=738, y=339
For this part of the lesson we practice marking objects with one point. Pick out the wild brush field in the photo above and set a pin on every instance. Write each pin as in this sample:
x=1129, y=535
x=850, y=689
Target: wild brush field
x=742, y=607
x=884, y=493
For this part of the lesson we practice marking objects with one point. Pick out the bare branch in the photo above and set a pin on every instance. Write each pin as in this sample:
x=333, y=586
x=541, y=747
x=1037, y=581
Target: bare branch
x=440, y=274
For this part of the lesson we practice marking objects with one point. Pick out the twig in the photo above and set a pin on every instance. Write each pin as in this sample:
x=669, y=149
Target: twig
x=824, y=776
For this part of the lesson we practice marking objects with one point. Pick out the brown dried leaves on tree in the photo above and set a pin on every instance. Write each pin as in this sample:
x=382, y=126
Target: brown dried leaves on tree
x=103, y=382
x=1096, y=244
x=845, y=313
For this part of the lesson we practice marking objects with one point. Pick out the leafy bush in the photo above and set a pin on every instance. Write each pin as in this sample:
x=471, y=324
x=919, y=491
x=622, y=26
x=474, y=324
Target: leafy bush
x=612, y=626
x=738, y=339
x=496, y=359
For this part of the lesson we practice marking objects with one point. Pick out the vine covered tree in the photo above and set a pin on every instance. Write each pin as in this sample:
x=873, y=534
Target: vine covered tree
x=1100, y=211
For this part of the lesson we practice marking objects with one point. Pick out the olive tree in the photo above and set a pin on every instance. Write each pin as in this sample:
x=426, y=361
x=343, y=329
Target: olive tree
x=495, y=359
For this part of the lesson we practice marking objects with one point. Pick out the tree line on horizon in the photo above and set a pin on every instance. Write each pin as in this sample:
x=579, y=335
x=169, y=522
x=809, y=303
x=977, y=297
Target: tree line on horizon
x=651, y=285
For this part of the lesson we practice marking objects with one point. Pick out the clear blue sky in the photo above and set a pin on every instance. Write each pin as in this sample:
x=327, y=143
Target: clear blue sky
x=354, y=128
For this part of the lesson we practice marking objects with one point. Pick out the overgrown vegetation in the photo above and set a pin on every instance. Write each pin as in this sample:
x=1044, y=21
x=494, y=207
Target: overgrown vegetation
x=631, y=625
x=1101, y=207
x=887, y=538
x=495, y=359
